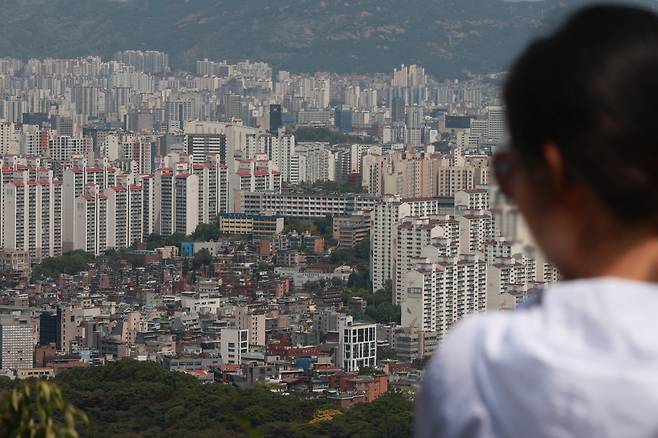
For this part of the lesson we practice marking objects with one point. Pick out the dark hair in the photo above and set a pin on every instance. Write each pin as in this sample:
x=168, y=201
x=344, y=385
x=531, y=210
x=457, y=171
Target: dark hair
x=592, y=88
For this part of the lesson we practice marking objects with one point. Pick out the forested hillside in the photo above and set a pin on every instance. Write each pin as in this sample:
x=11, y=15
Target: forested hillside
x=142, y=399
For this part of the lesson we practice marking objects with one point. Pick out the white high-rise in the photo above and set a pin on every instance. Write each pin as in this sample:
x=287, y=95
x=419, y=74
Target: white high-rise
x=357, y=345
x=64, y=148
x=33, y=217
x=280, y=150
x=385, y=218
x=234, y=344
x=495, y=124
x=319, y=161
x=176, y=202
x=413, y=235
x=16, y=343
x=75, y=181
x=442, y=290
x=125, y=216
x=91, y=219
x=8, y=141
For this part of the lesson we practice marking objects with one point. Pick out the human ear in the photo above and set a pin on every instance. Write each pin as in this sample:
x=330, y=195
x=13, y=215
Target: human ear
x=556, y=178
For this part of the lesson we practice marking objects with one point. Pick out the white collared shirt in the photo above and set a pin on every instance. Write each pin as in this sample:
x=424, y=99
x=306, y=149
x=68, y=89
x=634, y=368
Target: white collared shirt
x=583, y=363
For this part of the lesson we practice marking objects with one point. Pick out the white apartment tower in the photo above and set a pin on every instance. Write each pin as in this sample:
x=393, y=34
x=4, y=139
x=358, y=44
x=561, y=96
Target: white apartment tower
x=176, y=202
x=213, y=189
x=385, y=218
x=64, y=148
x=8, y=141
x=148, y=203
x=91, y=219
x=443, y=290
x=280, y=150
x=125, y=219
x=413, y=235
x=74, y=184
x=33, y=217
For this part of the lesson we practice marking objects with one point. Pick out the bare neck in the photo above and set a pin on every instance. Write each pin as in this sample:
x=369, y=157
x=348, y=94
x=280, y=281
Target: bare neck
x=631, y=258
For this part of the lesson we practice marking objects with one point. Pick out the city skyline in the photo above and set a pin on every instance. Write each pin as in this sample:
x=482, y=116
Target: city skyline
x=245, y=224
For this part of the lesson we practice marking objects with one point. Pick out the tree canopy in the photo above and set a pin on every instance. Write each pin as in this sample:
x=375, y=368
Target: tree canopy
x=319, y=226
x=304, y=133
x=380, y=307
x=70, y=263
x=206, y=232
x=129, y=398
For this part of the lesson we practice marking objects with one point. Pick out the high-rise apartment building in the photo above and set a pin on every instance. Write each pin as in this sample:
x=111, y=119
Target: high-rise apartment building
x=200, y=146
x=176, y=202
x=258, y=175
x=75, y=183
x=33, y=217
x=442, y=290
x=150, y=61
x=213, y=189
x=8, y=140
x=177, y=112
x=413, y=235
x=320, y=164
x=63, y=148
x=414, y=123
x=386, y=216
x=125, y=216
x=91, y=214
x=280, y=150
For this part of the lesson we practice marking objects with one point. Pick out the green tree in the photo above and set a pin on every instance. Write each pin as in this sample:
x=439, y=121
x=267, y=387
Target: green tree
x=206, y=232
x=154, y=241
x=30, y=410
x=330, y=136
x=70, y=263
x=201, y=258
x=130, y=398
x=380, y=307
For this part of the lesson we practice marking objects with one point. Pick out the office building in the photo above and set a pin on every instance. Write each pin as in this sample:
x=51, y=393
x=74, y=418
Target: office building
x=257, y=225
x=357, y=345
x=276, y=120
x=16, y=343
x=303, y=205
x=343, y=118
x=49, y=329
x=234, y=345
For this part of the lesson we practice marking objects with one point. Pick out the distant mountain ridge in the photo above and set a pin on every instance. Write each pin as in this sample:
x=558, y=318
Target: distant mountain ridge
x=448, y=37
